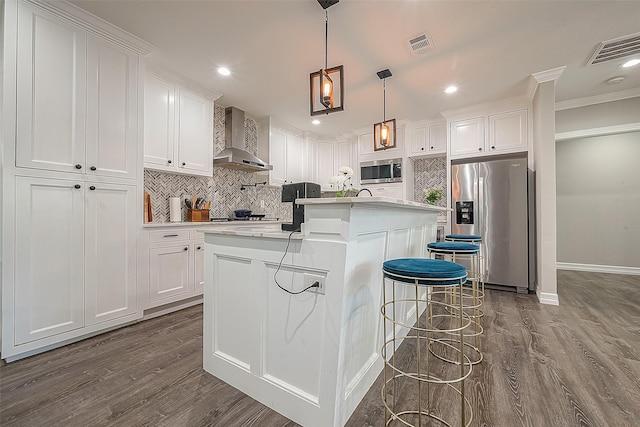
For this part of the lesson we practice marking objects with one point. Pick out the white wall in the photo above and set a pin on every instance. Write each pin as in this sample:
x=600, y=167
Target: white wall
x=598, y=115
x=598, y=200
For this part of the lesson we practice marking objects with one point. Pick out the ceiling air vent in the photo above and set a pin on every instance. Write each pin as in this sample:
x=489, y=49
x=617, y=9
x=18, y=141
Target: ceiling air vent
x=419, y=44
x=615, y=49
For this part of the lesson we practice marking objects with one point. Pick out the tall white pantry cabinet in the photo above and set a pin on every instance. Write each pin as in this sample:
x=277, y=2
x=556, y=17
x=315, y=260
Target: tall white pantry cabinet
x=72, y=181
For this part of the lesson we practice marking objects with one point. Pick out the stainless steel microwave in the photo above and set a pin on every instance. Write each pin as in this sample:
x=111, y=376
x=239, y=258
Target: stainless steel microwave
x=381, y=171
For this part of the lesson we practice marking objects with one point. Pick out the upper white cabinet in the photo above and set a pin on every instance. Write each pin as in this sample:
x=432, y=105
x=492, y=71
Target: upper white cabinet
x=326, y=164
x=508, y=131
x=287, y=156
x=428, y=139
x=468, y=137
x=366, y=149
x=178, y=129
x=495, y=133
x=76, y=98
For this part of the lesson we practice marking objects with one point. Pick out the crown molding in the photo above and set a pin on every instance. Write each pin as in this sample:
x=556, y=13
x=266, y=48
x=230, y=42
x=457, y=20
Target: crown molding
x=548, y=75
x=597, y=99
x=95, y=25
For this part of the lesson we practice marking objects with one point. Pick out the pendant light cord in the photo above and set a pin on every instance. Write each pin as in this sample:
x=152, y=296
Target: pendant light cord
x=326, y=36
x=384, y=100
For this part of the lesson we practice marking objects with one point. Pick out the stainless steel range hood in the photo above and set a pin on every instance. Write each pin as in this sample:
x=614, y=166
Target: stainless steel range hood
x=234, y=156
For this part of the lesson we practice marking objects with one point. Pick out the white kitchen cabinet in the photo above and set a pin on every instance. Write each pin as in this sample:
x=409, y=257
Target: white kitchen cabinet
x=110, y=251
x=394, y=190
x=178, y=126
x=428, y=139
x=75, y=256
x=77, y=98
x=176, y=265
x=496, y=133
x=508, y=131
x=467, y=137
x=49, y=237
x=51, y=91
x=326, y=164
x=198, y=282
x=287, y=156
x=159, y=123
x=169, y=272
x=195, y=134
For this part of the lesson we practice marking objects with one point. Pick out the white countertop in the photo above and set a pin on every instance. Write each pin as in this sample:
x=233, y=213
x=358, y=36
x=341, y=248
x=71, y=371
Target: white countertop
x=262, y=232
x=249, y=223
x=378, y=200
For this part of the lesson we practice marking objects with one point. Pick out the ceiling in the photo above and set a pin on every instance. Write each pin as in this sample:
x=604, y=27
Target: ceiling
x=489, y=49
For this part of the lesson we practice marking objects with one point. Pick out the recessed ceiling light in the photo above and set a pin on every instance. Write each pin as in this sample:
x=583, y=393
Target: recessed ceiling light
x=614, y=80
x=224, y=71
x=451, y=89
x=631, y=63
x=316, y=122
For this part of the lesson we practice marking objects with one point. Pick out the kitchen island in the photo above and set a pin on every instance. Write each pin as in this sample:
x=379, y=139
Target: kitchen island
x=311, y=356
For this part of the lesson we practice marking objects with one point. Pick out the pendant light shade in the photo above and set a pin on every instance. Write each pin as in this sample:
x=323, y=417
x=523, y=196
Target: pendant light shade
x=384, y=133
x=326, y=92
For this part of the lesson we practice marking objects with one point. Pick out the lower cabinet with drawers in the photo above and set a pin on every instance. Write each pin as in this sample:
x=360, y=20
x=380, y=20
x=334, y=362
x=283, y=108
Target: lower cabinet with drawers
x=175, y=267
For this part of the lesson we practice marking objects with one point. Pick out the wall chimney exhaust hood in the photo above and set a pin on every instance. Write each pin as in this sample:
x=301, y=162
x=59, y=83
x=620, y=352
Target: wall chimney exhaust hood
x=234, y=156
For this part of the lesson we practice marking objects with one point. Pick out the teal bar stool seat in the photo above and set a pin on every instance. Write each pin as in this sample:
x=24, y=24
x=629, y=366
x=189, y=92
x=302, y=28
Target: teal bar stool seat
x=416, y=315
x=473, y=297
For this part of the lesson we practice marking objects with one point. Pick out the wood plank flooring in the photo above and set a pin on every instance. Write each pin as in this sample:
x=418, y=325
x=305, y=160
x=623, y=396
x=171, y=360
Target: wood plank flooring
x=573, y=365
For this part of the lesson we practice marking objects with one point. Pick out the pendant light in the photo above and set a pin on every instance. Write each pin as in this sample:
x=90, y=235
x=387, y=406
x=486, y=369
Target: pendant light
x=326, y=85
x=384, y=133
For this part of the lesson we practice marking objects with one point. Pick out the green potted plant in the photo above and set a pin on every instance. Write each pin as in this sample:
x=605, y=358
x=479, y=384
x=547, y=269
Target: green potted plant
x=432, y=195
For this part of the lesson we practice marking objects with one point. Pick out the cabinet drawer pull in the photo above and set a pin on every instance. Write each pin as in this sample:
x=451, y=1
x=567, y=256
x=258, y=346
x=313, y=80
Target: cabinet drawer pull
x=93, y=168
x=432, y=147
x=480, y=149
x=493, y=147
x=78, y=166
x=92, y=188
x=184, y=164
x=170, y=235
x=76, y=186
x=186, y=248
x=168, y=161
x=199, y=247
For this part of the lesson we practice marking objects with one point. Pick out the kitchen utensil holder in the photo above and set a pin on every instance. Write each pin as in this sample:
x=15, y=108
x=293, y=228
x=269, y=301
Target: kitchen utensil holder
x=198, y=215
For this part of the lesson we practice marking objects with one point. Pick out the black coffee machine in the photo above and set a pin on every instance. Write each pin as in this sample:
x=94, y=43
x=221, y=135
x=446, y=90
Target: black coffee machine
x=300, y=190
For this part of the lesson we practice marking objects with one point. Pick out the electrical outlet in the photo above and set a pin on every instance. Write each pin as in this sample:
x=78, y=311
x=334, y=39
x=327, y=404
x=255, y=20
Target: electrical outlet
x=261, y=204
x=310, y=279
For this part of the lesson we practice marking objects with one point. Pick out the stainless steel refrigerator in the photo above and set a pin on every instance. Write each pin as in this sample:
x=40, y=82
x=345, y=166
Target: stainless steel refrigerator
x=495, y=199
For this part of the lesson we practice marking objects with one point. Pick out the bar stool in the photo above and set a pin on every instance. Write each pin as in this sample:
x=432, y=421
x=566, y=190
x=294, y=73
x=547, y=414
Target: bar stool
x=417, y=387
x=472, y=301
x=476, y=240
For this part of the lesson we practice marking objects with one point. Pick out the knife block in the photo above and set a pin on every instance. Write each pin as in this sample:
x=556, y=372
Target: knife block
x=198, y=215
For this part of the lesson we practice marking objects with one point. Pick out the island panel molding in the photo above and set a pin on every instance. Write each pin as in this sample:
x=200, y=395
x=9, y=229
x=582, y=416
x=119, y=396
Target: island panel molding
x=312, y=356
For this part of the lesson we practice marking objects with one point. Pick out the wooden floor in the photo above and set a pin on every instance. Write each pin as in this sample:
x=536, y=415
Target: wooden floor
x=573, y=365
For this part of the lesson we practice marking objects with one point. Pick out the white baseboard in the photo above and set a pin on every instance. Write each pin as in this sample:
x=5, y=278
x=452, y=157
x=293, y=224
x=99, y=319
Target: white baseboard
x=547, y=298
x=632, y=271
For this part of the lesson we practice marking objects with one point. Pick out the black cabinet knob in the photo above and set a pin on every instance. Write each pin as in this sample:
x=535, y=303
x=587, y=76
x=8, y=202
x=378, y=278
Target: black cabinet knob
x=184, y=164
x=199, y=247
x=493, y=147
x=432, y=147
x=168, y=161
x=76, y=186
x=480, y=149
x=422, y=148
x=92, y=188
x=186, y=248
x=78, y=166
x=93, y=168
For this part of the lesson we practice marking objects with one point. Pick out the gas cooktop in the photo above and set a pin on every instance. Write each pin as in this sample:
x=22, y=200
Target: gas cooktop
x=252, y=217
